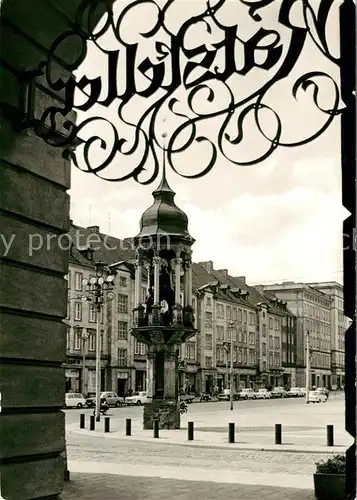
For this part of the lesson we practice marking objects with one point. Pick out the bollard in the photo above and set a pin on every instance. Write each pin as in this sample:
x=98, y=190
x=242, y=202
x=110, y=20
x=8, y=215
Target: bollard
x=156, y=428
x=128, y=427
x=190, y=431
x=330, y=440
x=231, y=432
x=82, y=421
x=92, y=423
x=107, y=424
x=277, y=433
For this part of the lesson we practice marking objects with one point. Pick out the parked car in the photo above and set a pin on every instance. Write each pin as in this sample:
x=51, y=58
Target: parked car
x=225, y=395
x=137, y=398
x=316, y=397
x=187, y=398
x=246, y=393
x=323, y=390
x=111, y=398
x=262, y=394
x=279, y=392
x=303, y=391
x=74, y=400
x=294, y=392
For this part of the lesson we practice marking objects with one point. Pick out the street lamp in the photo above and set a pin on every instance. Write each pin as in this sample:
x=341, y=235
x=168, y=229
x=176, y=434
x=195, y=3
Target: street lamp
x=97, y=290
x=84, y=337
x=307, y=366
x=229, y=347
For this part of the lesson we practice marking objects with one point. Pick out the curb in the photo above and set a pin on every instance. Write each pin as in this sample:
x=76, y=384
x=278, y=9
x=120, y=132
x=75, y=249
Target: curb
x=244, y=447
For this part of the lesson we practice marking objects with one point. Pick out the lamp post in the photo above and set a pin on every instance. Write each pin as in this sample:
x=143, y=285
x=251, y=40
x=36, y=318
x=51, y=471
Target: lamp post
x=84, y=336
x=307, y=366
x=97, y=290
x=229, y=347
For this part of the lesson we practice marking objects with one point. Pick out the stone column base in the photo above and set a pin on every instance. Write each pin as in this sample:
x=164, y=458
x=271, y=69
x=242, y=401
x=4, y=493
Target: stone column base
x=167, y=411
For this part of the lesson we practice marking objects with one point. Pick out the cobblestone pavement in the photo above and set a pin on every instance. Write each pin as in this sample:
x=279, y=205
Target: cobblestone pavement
x=112, y=487
x=88, y=448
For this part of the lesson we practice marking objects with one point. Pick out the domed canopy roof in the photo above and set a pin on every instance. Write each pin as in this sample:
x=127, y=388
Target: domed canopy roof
x=164, y=216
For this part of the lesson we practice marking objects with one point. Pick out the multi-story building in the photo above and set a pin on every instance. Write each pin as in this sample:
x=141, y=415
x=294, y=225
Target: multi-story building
x=228, y=312
x=339, y=325
x=312, y=309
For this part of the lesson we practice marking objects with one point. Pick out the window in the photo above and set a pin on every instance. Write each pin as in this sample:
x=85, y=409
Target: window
x=190, y=351
x=234, y=313
x=220, y=311
x=245, y=317
x=270, y=342
x=78, y=277
x=245, y=356
x=208, y=362
x=78, y=311
x=270, y=323
x=251, y=318
x=122, y=330
x=277, y=342
x=123, y=281
x=122, y=357
x=234, y=356
x=264, y=349
x=244, y=337
x=208, y=320
x=122, y=303
x=77, y=339
x=209, y=302
x=139, y=348
x=68, y=310
x=228, y=312
x=264, y=366
x=240, y=334
x=239, y=315
x=234, y=334
x=276, y=325
x=68, y=339
x=220, y=332
x=228, y=333
x=264, y=330
x=91, y=340
x=92, y=313
x=251, y=338
x=270, y=359
x=208, y=341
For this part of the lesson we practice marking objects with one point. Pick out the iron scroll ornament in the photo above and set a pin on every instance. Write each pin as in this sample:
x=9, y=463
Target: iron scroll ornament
x=212, y=82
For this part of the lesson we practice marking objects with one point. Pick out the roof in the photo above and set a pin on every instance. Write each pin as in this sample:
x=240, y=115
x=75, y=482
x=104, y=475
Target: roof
x=105, y=248
x=164, y=216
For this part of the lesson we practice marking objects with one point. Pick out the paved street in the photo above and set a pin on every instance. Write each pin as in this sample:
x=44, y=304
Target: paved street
x=112, y=487
x=133, y=463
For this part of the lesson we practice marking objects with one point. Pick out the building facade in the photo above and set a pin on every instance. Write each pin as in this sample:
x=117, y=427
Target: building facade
x=339, y=325
x=312, y=309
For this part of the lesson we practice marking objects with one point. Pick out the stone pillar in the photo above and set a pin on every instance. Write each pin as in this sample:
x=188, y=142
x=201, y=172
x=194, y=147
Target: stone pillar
x=177, y=280
x=171, y=374
x=188, y=284
x=157, y=262
x=150, y=374
x=138, y=272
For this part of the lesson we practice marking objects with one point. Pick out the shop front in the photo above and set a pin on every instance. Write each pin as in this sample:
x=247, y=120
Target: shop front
x=122, y=386
x=72, y=380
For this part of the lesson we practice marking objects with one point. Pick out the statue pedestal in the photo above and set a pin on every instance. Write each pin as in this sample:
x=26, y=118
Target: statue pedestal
x=167, y=411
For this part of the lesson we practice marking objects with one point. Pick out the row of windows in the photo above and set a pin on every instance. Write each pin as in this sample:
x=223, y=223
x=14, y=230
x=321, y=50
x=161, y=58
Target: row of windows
x=274, y=342
x=318, y=343
x=78, y=312
x=274, y=324
x=234, y=314
x=316, y=326
x=317, y=312
x=241, y=356
x=316, y=300
x=89, y=339
x=319, y=359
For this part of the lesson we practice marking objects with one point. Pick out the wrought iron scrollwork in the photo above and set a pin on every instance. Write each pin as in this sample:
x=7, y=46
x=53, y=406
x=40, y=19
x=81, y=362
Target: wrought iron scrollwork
x=193, y=92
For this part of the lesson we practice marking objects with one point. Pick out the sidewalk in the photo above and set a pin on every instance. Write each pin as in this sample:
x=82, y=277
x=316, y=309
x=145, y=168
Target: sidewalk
x=111, y=482
x=305, y=442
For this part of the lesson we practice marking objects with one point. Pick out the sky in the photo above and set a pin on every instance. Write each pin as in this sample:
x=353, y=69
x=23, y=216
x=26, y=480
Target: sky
x=275, y=221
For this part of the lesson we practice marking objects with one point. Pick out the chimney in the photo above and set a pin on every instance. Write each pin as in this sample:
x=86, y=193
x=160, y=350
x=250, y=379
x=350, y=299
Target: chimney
x=224, y=272
x=242, y=279
x=94, y=229
x=208, y=265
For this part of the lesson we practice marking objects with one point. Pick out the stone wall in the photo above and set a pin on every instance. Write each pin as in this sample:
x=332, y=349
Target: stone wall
x=34, y=178
x=166, y=411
